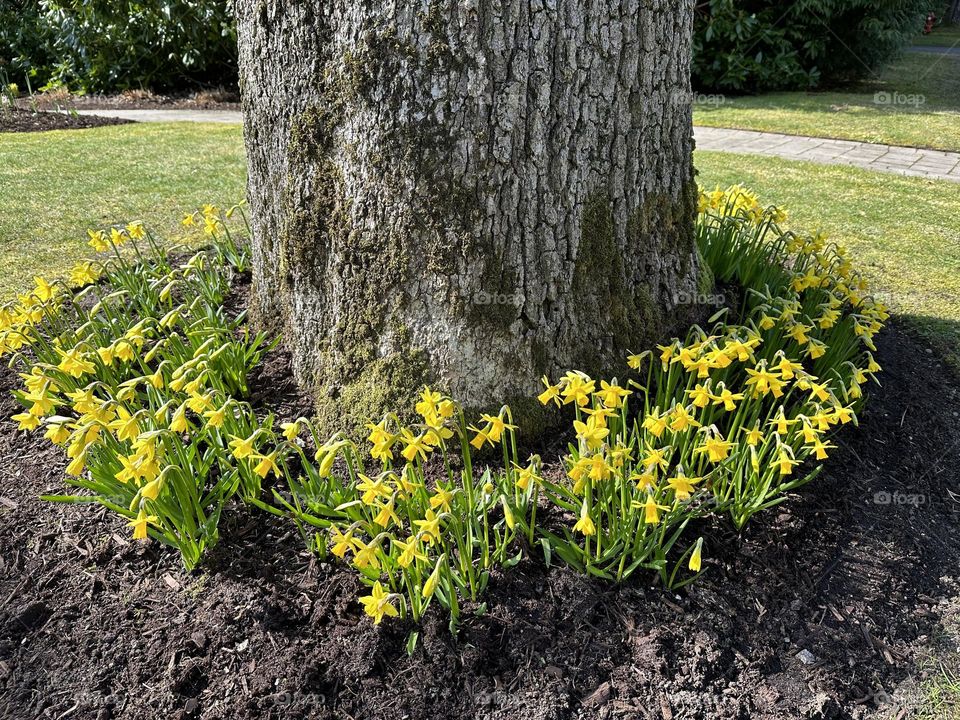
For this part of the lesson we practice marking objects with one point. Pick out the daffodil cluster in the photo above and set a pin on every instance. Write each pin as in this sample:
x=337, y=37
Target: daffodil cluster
x=140, y=379
x=726, y=419
x=410, y=513
x=135, y=369
x=738, y=201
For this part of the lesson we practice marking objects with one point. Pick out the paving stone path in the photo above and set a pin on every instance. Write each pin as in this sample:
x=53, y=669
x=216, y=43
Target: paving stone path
x=934, y=50
x=933, y=164
x=232, y=117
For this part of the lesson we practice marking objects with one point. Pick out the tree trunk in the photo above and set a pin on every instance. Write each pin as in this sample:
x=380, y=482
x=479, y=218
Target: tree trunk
x=953, y=17
x=464, y=192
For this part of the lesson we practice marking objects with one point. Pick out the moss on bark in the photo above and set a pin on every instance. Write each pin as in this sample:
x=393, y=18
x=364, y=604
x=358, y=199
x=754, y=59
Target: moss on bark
x=386, y=384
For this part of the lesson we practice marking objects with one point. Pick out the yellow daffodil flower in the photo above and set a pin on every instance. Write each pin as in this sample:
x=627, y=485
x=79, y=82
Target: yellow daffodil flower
x=140, y=524
x=414, y=446
x=577, y=389
x=728, y=399
x=700, y=395
x=716, y=448
x=136, y=231
x=342, y=543
x=365, y=555
x=585, y=524
x=291, y=430
x=267, y=464
x=429, y=527
x=26, y=421
x=377, y=604
x=57, y=433
x=372, y=489
x=441, y=500
x=785, y=463
x=754, y=435
x=644, y=480
x=666, y=353
x=611, y=395
x=656, y=458
x=496, y=427
x=525, y=475
x=599, y=468
x=386, y=514
x=241, y=448
x=682, y=419
x=74, y=363
x=83, y=274
x=651, y=510
x=97, y=240
x=591, y=433
x=762, y=381
x=819, y=448
x=409, y=552
x=683, y=485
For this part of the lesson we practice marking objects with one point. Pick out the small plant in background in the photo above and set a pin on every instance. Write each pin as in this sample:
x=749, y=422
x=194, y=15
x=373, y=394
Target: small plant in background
x=98, y=46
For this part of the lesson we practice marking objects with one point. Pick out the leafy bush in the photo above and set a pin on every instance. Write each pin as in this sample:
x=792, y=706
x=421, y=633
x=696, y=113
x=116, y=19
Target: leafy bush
x=100, y=45
x=726, y=421
x=21, y=42
x=762, y=45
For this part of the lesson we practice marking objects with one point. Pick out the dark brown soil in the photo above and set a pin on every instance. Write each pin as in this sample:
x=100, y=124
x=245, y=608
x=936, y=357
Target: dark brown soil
x=215, y=99
x=93, y=625
x=17, y=120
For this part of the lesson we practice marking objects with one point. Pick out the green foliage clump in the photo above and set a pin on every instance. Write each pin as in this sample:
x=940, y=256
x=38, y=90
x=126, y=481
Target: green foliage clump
x=765, y=45
x=100, y=45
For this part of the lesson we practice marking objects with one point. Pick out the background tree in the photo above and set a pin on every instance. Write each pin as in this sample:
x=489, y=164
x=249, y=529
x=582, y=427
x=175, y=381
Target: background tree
x=466, y=193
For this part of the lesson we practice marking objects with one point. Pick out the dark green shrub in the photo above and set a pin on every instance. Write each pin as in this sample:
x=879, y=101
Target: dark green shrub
x=21, y=42
x=761, y=45
x=100, y=45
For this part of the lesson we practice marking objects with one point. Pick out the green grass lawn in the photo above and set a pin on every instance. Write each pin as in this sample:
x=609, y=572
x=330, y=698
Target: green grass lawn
x=855, y=115
x=904, y=232
x=55, y=185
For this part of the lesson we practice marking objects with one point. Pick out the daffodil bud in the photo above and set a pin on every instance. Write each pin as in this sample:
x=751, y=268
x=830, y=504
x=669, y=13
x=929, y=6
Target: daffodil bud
x=430, y=586
x=170, y=318
x=508, y=513
x=326, y=464
x=695, y=556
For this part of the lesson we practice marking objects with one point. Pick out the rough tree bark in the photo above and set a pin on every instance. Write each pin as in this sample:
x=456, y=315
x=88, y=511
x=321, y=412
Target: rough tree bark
x=470, y=192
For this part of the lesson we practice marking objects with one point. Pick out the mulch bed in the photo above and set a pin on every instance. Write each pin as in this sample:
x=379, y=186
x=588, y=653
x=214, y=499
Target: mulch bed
x=216, y=99
x=14, y=120
x=93, y=625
